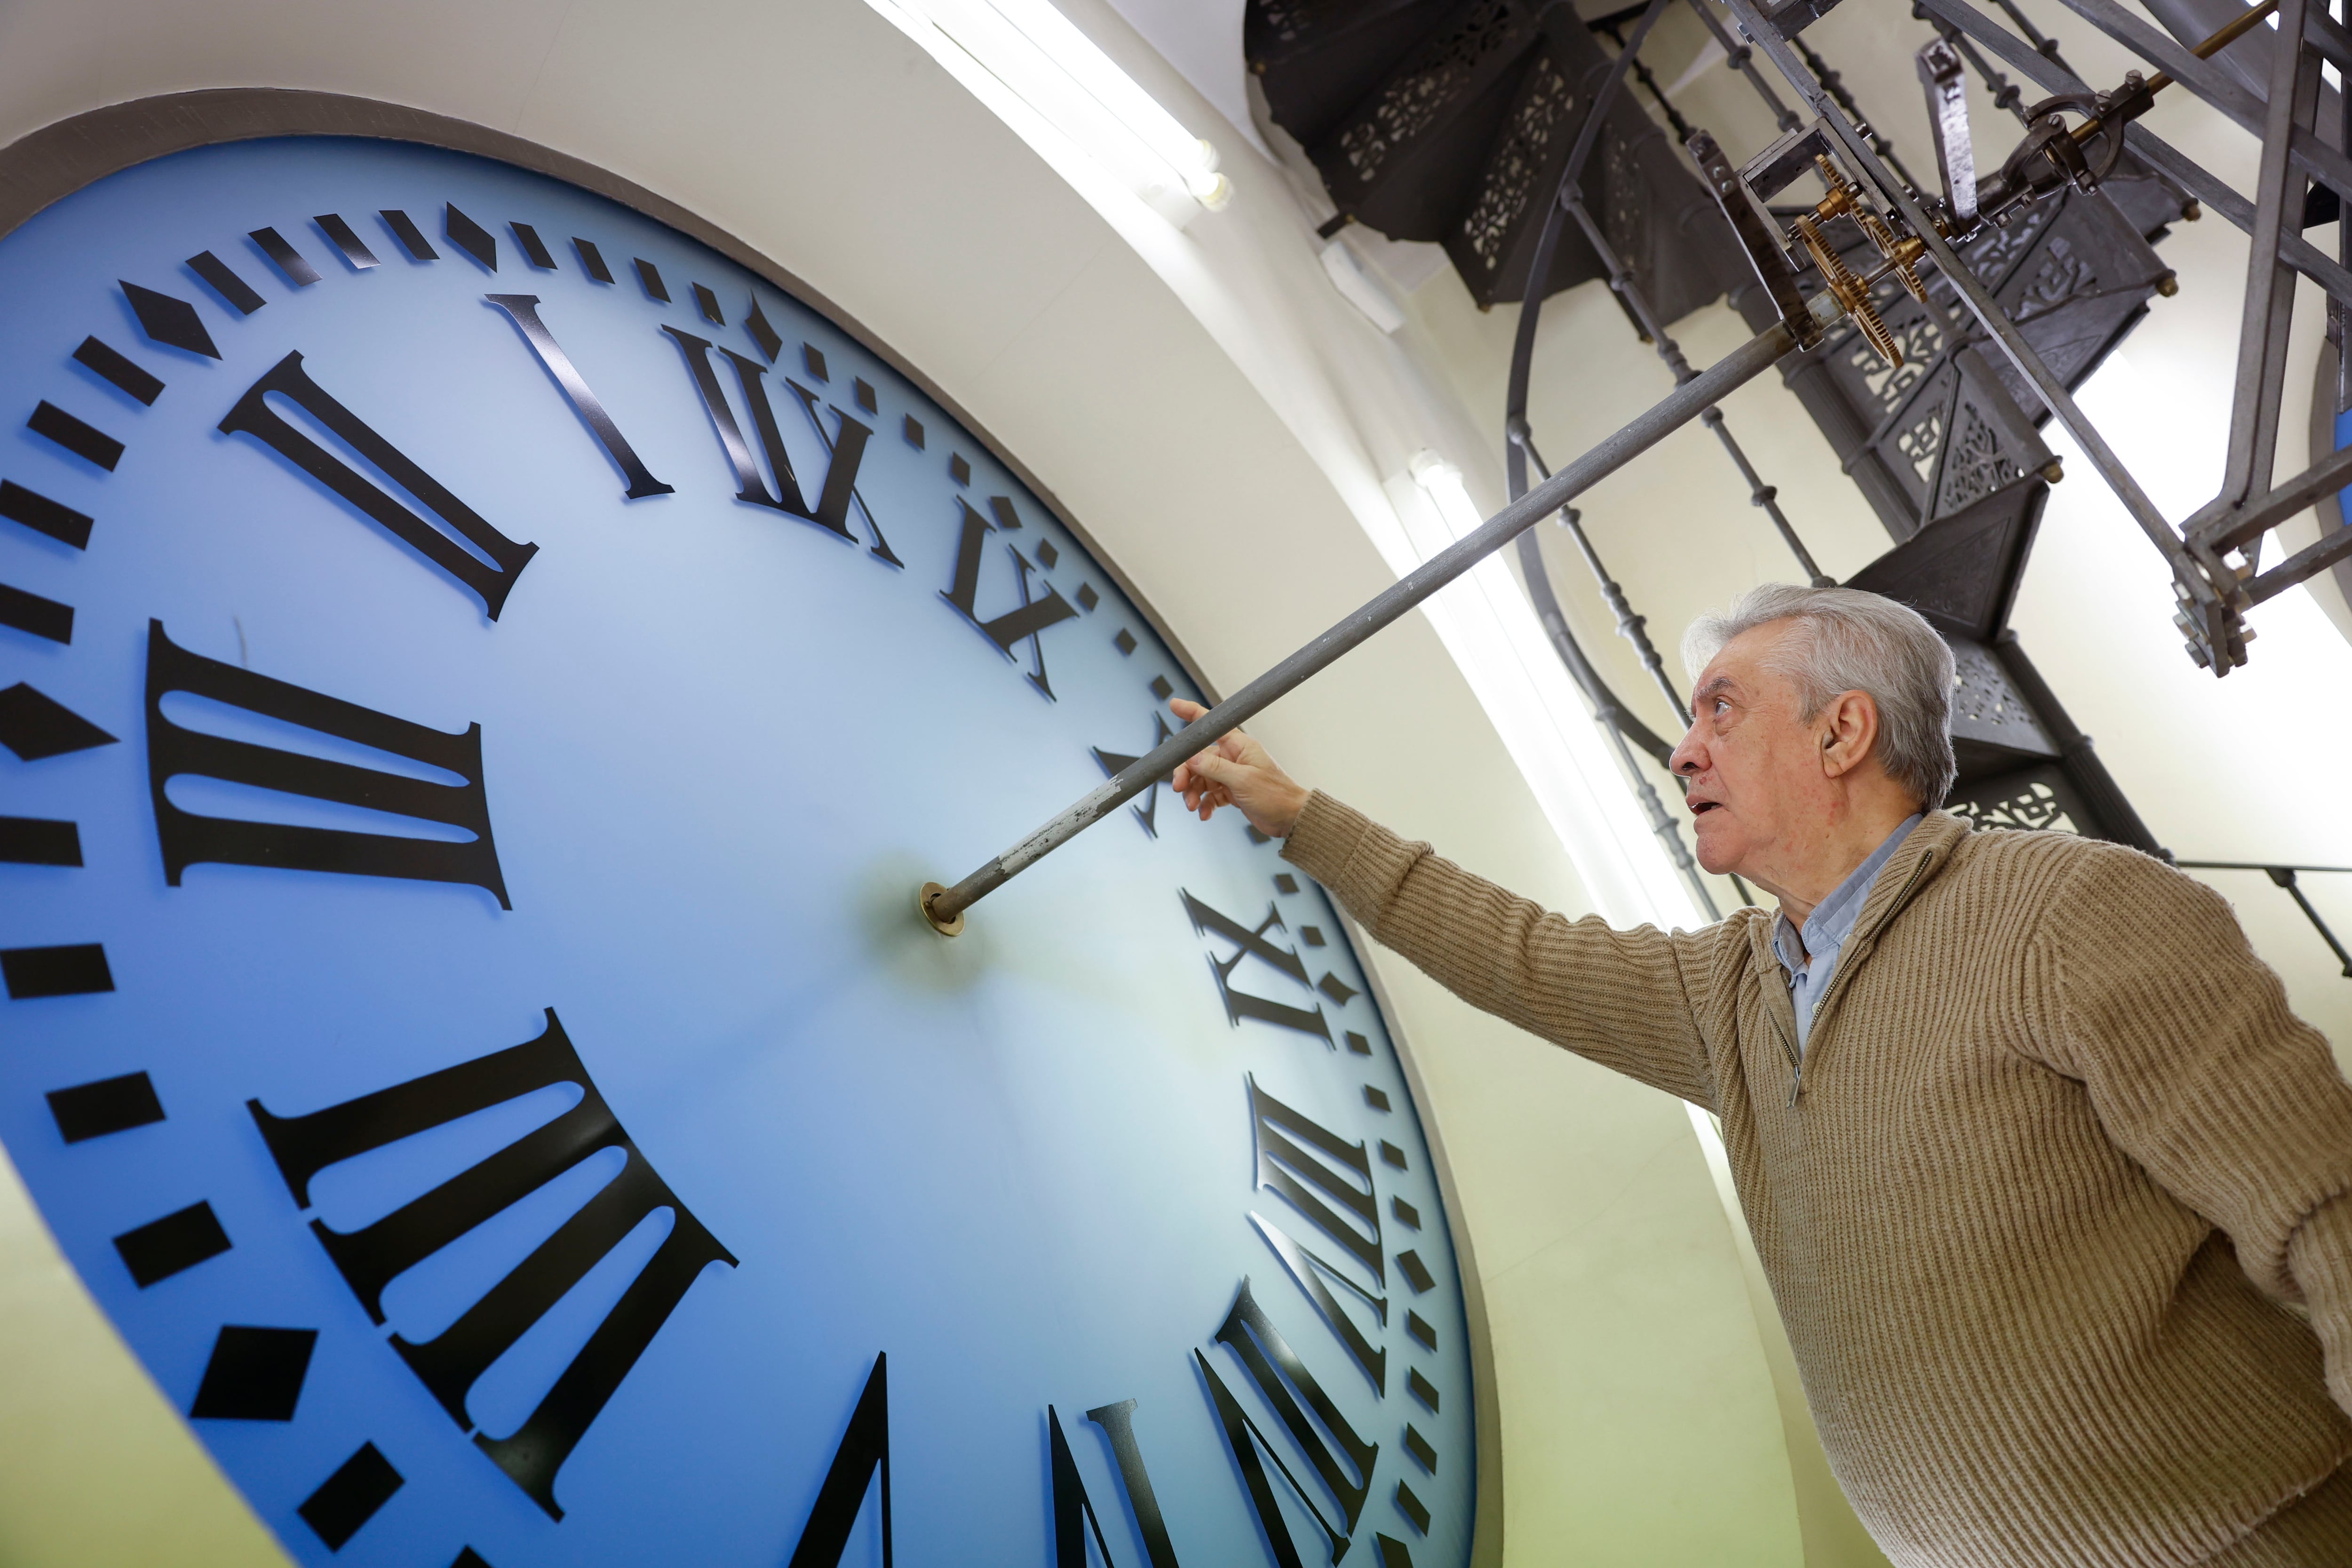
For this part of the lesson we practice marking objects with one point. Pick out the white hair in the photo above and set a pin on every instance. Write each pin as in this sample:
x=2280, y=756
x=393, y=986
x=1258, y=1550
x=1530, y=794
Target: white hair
x=1847, y=640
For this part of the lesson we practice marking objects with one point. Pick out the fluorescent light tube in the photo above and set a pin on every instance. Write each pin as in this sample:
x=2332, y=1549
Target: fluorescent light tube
x=1030, y=50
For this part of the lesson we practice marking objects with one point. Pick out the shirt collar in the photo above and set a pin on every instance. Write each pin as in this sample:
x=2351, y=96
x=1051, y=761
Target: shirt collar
x=1833, y=918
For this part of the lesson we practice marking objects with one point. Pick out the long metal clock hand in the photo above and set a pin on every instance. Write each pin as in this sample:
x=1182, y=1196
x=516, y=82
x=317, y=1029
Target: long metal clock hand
x=944, y=907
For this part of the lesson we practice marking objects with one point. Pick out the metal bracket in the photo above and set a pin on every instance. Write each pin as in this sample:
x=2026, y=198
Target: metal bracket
x=1944, y=76
x=1759, y=236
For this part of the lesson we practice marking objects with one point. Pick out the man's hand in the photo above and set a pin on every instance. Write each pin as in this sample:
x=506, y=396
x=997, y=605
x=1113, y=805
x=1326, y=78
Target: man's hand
x=1237, y=771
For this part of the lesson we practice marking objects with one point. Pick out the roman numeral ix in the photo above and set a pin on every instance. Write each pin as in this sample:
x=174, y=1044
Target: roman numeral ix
x=372, y=1257
x=1025, y=620
x=187, y=838
x=479, y=556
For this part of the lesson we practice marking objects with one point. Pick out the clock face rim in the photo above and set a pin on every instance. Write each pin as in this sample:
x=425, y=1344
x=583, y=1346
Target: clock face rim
x=54, y=161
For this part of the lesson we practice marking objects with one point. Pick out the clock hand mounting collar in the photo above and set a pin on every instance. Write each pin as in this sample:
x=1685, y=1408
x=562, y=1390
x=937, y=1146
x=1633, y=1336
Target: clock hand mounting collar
x=944, y=907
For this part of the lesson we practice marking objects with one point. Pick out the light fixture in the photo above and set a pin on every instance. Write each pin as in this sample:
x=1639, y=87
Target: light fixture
x=1442, y=482
x=1029, y=51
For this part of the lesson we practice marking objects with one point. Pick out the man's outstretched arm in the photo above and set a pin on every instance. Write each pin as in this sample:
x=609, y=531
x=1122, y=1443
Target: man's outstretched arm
x=1617, y=997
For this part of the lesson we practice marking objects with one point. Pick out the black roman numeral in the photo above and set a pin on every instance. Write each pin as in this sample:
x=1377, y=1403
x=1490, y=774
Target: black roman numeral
x=374, y=1256
x=489, y=567
x=845, y=452
x=1025, y=620
x=522, y=309
x=188, y=838
x=1343, y=1459
x=1072, y=1506
x=1240, y=1004
x=864, y=1450
x=1112, y=764
x=1334, y=1192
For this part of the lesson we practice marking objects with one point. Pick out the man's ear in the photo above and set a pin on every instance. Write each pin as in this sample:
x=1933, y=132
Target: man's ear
x=1849, y=733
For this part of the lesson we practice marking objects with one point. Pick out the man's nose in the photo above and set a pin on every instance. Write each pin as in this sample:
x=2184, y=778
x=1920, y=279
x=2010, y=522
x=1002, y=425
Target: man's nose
x=1685, y=758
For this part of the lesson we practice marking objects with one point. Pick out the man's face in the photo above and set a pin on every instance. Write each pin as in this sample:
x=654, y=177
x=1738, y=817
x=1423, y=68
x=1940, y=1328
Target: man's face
x=1756, y=785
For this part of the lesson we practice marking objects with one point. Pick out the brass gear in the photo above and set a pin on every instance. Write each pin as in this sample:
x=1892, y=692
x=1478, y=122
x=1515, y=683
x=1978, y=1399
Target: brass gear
x=1901, y=255
x=1852, y=294
x=1843, y=199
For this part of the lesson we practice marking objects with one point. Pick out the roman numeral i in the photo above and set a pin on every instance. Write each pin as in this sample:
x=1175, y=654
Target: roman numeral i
x=372, y=1257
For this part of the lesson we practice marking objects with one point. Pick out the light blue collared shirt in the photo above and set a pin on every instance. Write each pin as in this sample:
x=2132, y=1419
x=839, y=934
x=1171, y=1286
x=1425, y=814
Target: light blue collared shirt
x=1810, y=959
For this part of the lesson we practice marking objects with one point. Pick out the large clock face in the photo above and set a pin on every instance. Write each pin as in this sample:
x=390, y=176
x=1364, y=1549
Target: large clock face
x=484, y=676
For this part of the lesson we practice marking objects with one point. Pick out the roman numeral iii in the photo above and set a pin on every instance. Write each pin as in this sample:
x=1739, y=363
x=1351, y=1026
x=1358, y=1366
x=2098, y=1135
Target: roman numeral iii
x=486, y=562
x=188, y=838
x=374, y=1256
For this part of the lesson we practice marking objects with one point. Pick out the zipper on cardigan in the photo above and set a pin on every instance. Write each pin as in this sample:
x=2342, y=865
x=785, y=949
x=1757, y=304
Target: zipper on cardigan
x=1796, y=1057
x=1797, y=1081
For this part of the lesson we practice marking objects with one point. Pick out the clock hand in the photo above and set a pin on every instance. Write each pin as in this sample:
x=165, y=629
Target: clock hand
x=945, y=907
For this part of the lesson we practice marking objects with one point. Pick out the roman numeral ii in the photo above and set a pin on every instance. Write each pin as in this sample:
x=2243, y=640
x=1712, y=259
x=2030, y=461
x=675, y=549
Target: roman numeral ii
x=486, y=562
x=374, y=1256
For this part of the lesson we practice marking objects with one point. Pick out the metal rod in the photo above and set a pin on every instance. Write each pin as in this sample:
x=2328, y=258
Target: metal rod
x=2283, y=876
x=2046, y=46
x=1742, y=59
x=1612, y=721
x=1642, y=74
x=2256, y=865
x=945, y=906
x=1833, y=83
x=1983, y=306
x=1633, y=629
x=1759, y=494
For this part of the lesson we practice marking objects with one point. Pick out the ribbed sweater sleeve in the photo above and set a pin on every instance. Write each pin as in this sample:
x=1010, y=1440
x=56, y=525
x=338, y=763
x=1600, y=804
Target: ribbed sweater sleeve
x=2197, y=1068
x=1615, y=996
x=2321, y=1257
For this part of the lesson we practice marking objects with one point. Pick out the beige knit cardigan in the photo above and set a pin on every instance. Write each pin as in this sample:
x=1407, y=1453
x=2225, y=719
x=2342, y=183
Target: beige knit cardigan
x=2061, y=1152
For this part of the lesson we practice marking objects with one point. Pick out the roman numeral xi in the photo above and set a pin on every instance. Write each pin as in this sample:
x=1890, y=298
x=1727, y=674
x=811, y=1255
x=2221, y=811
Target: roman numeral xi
x=188, y=837
x=372, y=1257
x=1252, y=942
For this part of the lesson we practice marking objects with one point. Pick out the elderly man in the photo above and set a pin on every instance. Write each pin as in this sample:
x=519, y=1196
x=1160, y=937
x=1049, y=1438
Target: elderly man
x=2054, y=1192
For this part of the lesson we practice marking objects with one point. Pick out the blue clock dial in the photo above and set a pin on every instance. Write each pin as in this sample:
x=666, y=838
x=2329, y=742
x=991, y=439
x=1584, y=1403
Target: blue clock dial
x=483, y=675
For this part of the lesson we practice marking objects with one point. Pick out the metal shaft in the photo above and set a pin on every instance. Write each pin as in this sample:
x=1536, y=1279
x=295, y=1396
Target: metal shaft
x=945, y=907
